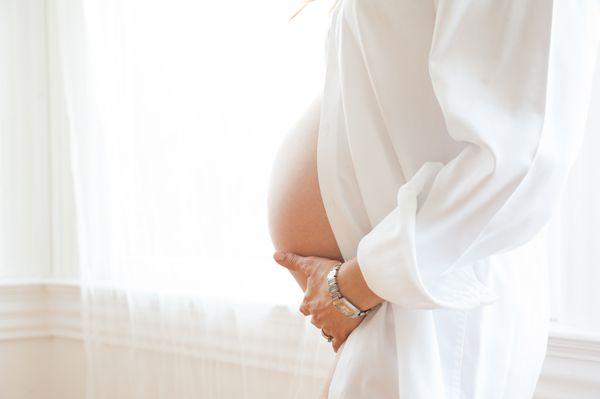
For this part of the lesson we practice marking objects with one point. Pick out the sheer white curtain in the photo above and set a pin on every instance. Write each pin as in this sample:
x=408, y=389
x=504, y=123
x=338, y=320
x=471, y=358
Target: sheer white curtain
x=175, y=110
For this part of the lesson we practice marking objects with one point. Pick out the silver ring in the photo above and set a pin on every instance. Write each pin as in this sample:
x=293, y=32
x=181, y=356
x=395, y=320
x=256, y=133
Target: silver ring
x=329, y=338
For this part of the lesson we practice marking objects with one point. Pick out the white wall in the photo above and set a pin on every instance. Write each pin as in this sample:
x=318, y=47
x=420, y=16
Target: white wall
x=574, y=257
x=34, y=206
x=24, y=161
x=42, y=368
x=54, y=368
x=37, y=227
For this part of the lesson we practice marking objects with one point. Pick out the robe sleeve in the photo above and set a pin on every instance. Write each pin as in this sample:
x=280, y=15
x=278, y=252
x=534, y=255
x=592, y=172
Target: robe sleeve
x=513, y=79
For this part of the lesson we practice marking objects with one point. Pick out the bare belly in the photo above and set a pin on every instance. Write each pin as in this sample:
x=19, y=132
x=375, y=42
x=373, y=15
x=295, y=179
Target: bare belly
x=297, y=219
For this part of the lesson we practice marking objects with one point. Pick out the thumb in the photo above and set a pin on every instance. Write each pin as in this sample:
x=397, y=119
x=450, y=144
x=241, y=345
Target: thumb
x=288, y=260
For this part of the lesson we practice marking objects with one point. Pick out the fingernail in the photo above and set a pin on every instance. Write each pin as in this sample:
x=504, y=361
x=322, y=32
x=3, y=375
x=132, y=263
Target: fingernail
x=278, y=256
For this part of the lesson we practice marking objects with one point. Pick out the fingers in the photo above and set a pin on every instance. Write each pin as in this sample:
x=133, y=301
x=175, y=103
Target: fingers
x=309, y=305
x=289, y=260
x=304, y=309
x=316, y=321
x=336, y=341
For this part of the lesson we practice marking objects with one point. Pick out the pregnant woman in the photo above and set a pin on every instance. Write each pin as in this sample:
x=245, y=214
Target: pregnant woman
x=419, y=184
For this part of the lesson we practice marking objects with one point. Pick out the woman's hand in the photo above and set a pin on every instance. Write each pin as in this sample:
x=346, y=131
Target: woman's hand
x=317, y=298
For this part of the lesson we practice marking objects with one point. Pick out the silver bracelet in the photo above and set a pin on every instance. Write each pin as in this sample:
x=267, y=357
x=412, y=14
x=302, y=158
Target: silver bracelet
x=341, y=303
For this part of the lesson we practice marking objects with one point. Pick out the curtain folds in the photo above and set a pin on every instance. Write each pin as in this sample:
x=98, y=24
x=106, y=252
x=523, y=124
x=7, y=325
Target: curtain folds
x=174, y=112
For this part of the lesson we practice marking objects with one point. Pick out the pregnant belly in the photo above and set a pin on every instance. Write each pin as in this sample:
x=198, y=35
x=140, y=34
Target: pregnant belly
x=297, y=219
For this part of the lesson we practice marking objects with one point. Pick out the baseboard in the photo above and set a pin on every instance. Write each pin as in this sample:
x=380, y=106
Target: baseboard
x=36, y=309
x=53, y=309
x=572, y=366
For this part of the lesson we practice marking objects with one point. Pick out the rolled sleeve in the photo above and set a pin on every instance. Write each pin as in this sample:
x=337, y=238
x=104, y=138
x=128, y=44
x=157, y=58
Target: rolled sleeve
x=511, y=87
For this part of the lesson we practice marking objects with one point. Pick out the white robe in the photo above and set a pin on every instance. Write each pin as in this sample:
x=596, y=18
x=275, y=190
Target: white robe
x=447, y=131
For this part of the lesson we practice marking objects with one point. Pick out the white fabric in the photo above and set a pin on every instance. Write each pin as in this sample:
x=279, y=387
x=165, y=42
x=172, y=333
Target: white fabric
x=448, y=129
